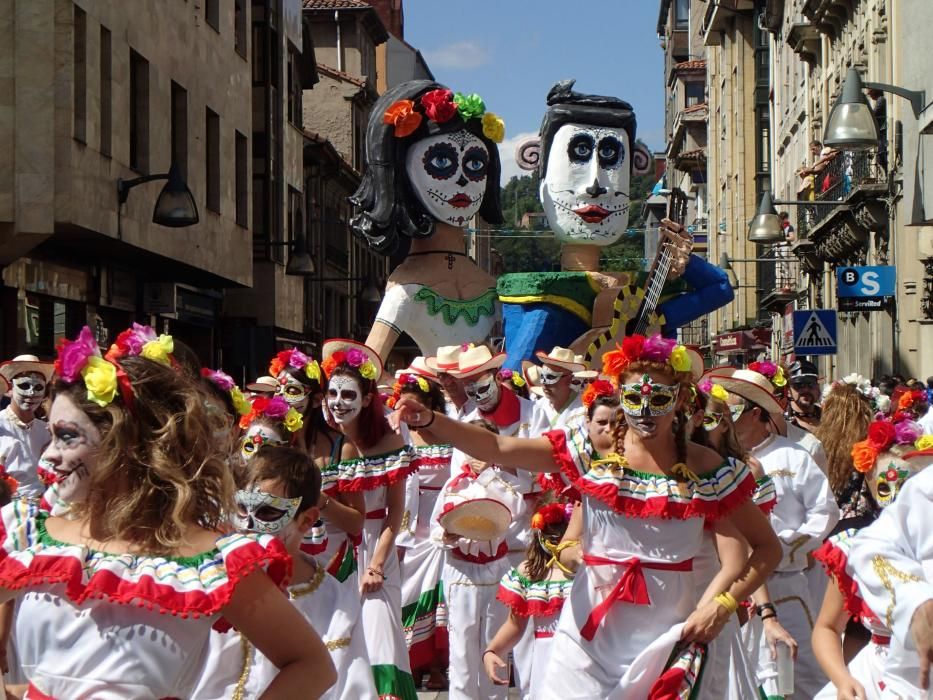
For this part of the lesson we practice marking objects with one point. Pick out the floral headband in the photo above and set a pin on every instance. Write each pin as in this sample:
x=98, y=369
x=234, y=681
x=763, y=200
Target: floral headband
x=404, y=380
x=551, y=514
x=773, y=372
x=510, y=375
x=225, y=383
x=880, y=403
x=639, y=348
x=597, y=388
x=275, y=408
x=295, y=359
x=353, y=357
x=440, y=106
x=911, y=399
x=717, y=391
x=883, y=434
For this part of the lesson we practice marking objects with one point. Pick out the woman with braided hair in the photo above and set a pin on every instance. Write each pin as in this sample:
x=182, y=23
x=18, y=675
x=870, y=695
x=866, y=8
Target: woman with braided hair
x=644, y=511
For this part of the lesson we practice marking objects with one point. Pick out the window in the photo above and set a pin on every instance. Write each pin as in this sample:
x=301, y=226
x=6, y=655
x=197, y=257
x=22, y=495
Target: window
x=180, y=129
x=105, y=91
x=139, y=113
x=681, y=14
x=242, y=180
x=240, y=22
x=80, y=75
x=694, y=93
x=212, y=13
x=296, y=222
x=294, y=89
x=212, y=160
x=260, y=55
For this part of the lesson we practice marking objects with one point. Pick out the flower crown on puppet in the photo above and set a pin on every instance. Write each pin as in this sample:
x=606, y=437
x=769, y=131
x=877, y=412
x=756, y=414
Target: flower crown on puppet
x=275, y=408
x=885, y=433
x=510, y=375
x=295, y=359
x=597, y=388
x=636, y=348
x=772, y=371
x=551, y=514
x=102, y=375
x=717, y=391
x=225, y=383
x=440, y=106
x=404, y=380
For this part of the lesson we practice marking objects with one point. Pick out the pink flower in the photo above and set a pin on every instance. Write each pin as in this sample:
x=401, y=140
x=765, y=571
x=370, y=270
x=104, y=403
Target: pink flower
x=706, y=386
x=298, y=359
x=767, y=368
x=657, y=349
x=907, y=431
x=276, y=408
x=219, y=378
x=355, y=357
x=505, y=375
x=72, y=355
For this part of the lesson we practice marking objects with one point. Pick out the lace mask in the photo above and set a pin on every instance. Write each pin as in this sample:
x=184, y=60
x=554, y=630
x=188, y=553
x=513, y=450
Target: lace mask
x=259, y=511
x=648, y=398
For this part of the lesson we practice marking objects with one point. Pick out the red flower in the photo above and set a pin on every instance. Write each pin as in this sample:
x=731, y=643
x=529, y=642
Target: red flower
x=331, y=363
x=755, y=367
x=880, y=435
x=891, y=475
x=439, y=105
x=600, y=387
x=279, y=362
x=633, y=346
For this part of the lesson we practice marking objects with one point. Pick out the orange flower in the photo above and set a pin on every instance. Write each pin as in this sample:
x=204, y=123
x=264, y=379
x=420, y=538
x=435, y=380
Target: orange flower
x=864, y=456
x=329, y=365
x=403, y=116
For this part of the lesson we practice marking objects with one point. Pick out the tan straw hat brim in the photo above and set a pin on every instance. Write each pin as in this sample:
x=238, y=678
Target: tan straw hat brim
x=750, y=391
x=343, y=345
x=494, y=362
x=13, y=368
x=565, y=365
x=478, y=519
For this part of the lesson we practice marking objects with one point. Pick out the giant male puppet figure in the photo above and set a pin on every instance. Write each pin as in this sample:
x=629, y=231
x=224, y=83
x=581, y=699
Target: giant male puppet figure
x=585, y=153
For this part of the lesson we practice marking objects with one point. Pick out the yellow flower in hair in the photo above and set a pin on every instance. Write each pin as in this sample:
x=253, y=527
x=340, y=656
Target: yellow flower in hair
x=423, y=384
x=924, y=442
x=293, y=421
x=680, y=360
x=718, y=392
x=313, y=371
x=517, y=379
x=240, y=403
x=159, y=350
x=779, y=379
x=368, y=370
x=100, y=379
x=493, y=127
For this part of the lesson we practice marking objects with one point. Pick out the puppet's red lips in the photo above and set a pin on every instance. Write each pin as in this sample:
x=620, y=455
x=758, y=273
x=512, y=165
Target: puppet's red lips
x=460, y=200
x=591, y=213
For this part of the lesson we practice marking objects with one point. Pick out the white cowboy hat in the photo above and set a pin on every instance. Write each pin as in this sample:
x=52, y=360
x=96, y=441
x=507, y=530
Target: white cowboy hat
x=477, y=519
x=585, y=373
x=530, y=372
x=446, y=359
x=477, y=360
x=561, y=358
x=24, y=364
x=344, y=345
x=419, y=368
x=751, y=386
x=263, y=385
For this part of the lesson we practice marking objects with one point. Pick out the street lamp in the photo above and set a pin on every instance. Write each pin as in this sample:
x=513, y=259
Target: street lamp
x=766, y=227
x=851, y=124
x=370, y=294
x=174, y=207
x=299, y=263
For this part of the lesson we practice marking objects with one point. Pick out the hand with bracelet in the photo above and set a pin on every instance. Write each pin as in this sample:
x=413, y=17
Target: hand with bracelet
x=493, y=664
x=372, y=580
x=774, y=630
x=706, y=622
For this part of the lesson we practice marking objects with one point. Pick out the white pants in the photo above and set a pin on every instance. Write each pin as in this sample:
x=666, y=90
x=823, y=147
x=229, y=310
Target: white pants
x=474, y=617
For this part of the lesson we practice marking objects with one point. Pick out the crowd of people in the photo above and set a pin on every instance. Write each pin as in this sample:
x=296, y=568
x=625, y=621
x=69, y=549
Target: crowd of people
x=648, y=528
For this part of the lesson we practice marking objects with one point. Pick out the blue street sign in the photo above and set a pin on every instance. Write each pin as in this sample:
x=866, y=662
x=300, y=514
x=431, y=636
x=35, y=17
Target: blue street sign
x=874, y=281
x=815, y=332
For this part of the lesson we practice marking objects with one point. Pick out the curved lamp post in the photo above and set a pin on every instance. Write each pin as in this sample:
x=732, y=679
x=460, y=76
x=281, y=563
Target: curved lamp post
x=174, y=207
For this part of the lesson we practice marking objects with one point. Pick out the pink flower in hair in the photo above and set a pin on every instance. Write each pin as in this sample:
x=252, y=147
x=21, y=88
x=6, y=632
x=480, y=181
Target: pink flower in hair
x=706, y=386
x=298, y=359
x=355, y=357
x=276, y=408
x=768, y=368
x=657, y=348
x=907, y=431
x=219, y=378
x=73, y=355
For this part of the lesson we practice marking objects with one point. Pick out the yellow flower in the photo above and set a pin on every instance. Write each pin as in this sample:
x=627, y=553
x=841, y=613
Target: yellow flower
x=779, y=379
x=100, y=378
x=717, y=392
x=368, y=370
x=680, y=360
x=924, y=442
x=423, y=385
x=313, y=371
x=159, y=350
x=517, y=379
x=493, y=127
x=293, y=421
x=240, y=403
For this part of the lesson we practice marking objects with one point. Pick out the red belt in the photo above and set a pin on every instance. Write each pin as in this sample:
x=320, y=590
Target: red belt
x=501, y=551
x=631, y=588
x=543, y=634
x=881, y=640
x=377, y=514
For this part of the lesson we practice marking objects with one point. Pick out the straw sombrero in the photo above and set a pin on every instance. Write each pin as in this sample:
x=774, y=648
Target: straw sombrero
x=586, y=372
x=561, y=358
x=477, y=519
x=476, y=361
x=344, y=345
x=263, y=385
x=25, y=364
x=446, y=358
x=751, y=386
x=530, y=372
x=697, y=367
x=419, y=368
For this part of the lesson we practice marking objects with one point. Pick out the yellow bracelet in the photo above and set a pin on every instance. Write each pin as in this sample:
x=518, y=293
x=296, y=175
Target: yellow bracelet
x=728, y=601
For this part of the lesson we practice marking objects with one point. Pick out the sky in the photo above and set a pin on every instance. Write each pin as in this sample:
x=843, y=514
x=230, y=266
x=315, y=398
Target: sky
x=511, y=52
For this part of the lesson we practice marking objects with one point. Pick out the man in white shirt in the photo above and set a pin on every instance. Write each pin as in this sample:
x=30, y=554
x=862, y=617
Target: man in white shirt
x=561, y=405
x=446, y=360
x=23, y=437
x=805, y=513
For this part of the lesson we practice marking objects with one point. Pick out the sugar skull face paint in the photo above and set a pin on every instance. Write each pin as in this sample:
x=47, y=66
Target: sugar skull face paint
x=448, y=175
x=483, y=391
x=257, y=435
x=711, y=420
x=548, y=376
x=29, y=391
x=648, y=398
x=344, y=399
x=579, y=384
x=259, y=511
x=71, y=455
x=296, y=394
x=887, y=479
x=585, y=189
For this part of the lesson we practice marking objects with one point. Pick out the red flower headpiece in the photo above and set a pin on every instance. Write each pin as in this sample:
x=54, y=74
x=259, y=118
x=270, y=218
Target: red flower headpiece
x=333, y=362
x=404, y=380
x=275, y=408
x=653, y=349
x=551, y=514
x=882, y=435
x=597, y=388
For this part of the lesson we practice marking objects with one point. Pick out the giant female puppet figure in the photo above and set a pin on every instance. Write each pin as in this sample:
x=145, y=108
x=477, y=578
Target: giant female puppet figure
x=432, y=166
x=585, y=154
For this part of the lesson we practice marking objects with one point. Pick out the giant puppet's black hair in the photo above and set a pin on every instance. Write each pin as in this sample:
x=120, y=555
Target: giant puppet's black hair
x=386, y=205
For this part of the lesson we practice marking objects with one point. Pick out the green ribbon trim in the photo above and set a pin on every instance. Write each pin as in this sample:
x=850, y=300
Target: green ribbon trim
x=347, y=566
x=427, y=602
x=393, y=684
x=452, y=309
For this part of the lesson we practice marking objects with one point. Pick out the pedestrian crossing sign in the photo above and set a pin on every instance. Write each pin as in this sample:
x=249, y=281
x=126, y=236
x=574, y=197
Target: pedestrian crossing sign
x=815, y=332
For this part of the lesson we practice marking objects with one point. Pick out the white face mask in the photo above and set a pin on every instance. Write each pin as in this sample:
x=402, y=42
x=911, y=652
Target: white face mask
x=28, y=391
x=484, y=392
x=448, y=174
x=344, y=399
x=295, y=393
x=549, y=377
x=263, y=512
x=585, y=190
